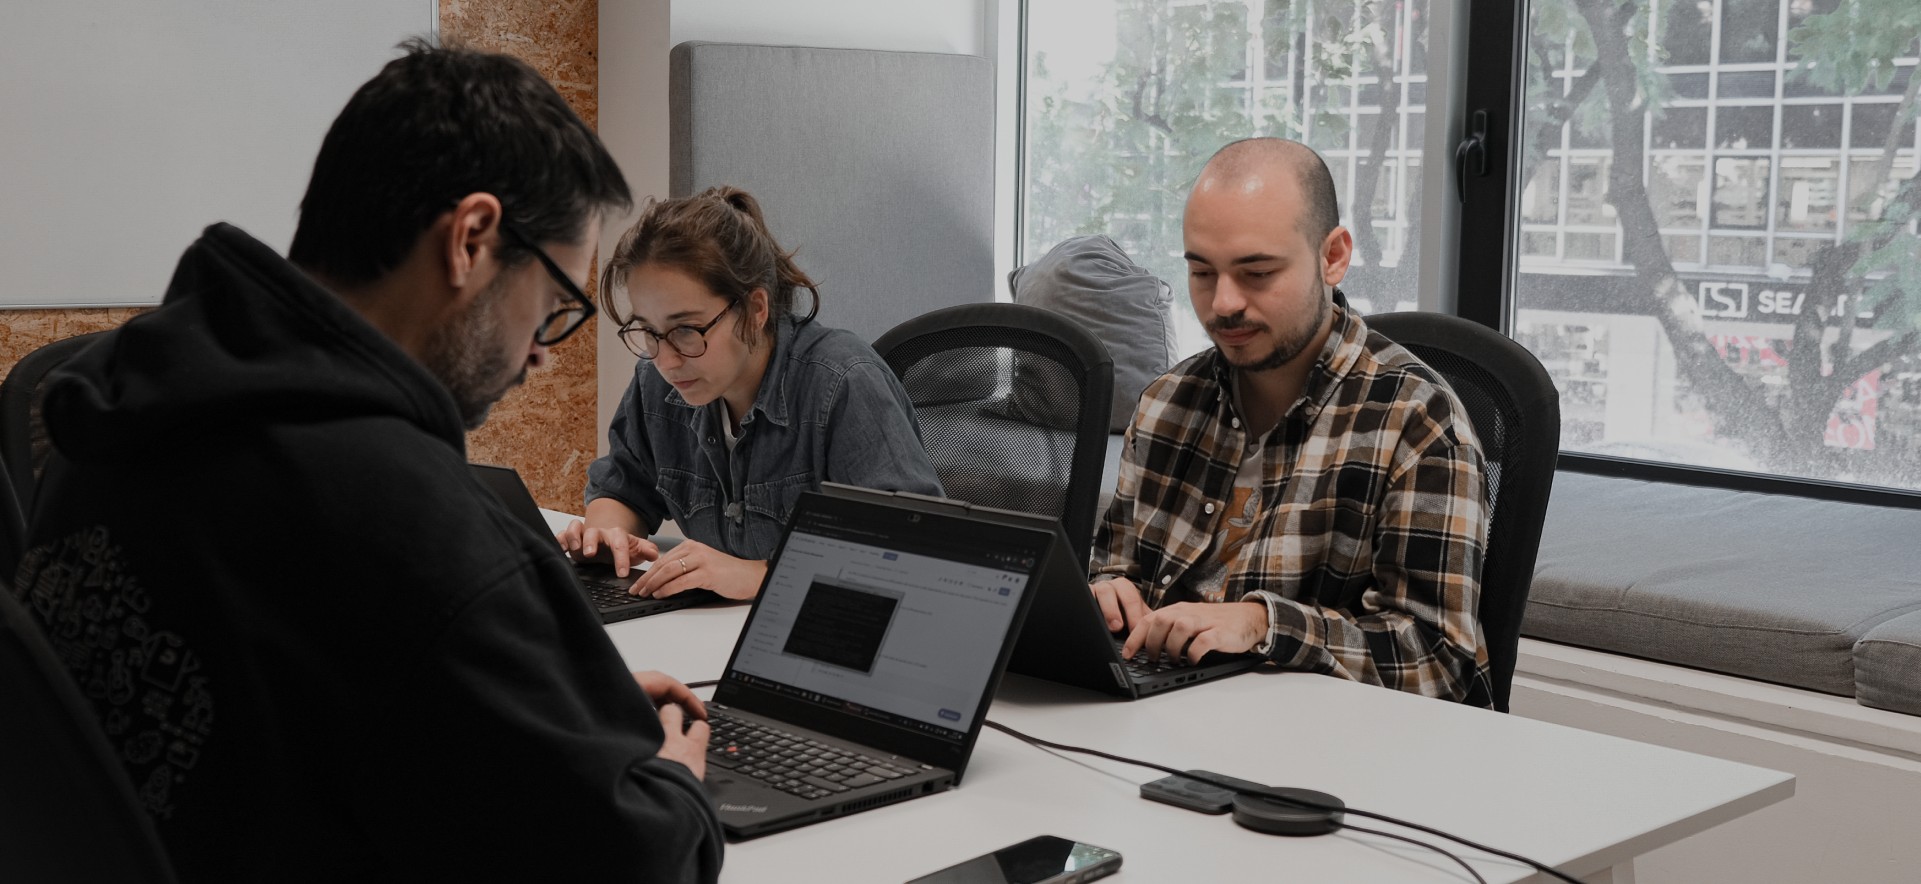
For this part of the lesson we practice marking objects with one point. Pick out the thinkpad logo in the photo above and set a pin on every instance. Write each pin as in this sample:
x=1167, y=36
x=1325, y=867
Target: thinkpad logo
x=743, y=808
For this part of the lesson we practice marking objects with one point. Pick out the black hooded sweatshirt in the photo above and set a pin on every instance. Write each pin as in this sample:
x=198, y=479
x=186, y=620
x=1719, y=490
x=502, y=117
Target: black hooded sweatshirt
x=322, y=650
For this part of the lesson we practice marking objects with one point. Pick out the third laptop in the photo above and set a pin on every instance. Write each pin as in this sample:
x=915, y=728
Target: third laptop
x=605, y=590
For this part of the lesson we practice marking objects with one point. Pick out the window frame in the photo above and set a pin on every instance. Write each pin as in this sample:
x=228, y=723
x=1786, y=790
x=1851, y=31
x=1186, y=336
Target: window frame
x=1489, y=77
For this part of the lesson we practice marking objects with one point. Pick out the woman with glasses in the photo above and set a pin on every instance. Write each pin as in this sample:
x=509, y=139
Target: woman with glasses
x=737, y=404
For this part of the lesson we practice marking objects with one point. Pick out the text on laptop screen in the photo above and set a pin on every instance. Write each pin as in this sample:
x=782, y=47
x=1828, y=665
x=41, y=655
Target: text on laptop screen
x=889, y=634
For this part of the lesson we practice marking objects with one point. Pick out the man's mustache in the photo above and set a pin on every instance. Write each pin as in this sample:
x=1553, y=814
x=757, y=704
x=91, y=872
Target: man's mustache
x=1232, y=322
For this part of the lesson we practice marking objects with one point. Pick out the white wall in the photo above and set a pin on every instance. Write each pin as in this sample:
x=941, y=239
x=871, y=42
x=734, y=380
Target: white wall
x=633, y=124
x=126, y=126
x=636, y=36
x=907, y=25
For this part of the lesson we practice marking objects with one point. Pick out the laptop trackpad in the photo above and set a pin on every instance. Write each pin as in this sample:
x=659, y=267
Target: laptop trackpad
x=743, y=799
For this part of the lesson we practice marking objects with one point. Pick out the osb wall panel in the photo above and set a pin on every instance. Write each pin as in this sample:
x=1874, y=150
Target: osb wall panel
x=24, y=331
x=546, y=428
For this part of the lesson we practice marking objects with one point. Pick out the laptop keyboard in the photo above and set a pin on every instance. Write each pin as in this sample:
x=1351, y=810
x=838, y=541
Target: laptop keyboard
x=1139, y=665
x=790, y=762
x=609, y=594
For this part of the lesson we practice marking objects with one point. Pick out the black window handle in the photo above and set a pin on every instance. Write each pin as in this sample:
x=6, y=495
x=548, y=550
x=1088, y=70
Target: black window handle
x=1471, y=154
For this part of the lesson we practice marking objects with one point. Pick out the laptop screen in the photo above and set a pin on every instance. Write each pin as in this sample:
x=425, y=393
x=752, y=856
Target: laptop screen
x=901, y=625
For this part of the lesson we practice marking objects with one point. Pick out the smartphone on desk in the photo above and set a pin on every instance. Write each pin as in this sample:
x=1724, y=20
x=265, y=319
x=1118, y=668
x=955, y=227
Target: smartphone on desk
x=1043, y=860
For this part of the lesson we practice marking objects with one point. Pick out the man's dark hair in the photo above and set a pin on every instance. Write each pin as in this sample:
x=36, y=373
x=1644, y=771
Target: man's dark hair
x=1323, y=210
x=433, y=126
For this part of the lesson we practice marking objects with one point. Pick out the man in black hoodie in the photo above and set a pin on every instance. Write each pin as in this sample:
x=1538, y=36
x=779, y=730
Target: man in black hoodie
x=322, y=650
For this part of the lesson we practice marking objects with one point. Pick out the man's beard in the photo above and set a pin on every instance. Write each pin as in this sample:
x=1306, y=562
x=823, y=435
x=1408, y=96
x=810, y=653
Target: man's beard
x=464, y=355
x=1285, y=349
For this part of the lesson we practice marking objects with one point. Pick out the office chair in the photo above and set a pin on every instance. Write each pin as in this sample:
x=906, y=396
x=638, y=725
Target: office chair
x=67, y=810
x=1013, y=403
x=1516, y=411
x=23, y=437
x=13, y=529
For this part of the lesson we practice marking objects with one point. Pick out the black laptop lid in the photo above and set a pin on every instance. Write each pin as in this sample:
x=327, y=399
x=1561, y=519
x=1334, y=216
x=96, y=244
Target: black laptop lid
x=885, y=626
x=513, y=494
x=1065, y=637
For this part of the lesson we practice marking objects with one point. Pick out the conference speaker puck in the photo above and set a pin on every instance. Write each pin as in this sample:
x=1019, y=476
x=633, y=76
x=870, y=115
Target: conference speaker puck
x=1294, y=812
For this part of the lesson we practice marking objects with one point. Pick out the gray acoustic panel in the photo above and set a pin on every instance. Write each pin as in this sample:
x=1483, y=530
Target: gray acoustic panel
x=878, y=167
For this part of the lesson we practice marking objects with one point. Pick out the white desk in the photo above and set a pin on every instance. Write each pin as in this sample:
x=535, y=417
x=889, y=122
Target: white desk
x=1585, y=802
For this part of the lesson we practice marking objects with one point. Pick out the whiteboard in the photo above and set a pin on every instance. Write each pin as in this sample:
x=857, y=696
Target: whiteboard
x=127, y=126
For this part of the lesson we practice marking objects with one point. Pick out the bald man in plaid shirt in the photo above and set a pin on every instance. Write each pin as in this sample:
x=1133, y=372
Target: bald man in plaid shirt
x=1306, y=489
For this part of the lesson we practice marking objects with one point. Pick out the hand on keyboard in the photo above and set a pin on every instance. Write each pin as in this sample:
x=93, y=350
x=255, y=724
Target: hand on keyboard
x=1193, y=629
x=684, y=741
x=695, y=565
x=1120, y=602
x=611, y=545
x=664, y=689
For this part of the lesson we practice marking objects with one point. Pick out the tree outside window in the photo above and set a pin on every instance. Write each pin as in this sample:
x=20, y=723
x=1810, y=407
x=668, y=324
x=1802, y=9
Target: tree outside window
x=1763, y=313
x=1126, y=99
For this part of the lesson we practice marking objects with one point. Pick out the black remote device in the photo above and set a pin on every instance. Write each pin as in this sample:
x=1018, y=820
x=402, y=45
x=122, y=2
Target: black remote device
x=1185, y=791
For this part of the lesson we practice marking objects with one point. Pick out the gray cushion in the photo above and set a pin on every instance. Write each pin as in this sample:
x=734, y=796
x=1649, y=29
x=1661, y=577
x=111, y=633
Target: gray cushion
x=876, y=167
x=1887, y=665
x=1764, y=586
x=1091, y=280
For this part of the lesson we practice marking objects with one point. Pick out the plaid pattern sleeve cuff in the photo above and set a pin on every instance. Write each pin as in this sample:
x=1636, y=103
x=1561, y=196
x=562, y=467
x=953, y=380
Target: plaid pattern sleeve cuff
x=1273, y=603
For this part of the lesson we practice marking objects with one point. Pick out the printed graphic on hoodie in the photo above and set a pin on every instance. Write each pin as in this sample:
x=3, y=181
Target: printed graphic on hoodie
x=159, y=707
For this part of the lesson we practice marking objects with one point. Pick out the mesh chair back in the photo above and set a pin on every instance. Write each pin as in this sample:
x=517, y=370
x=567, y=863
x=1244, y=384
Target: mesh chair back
x=66, y=807
x=1013, y=404
x=1516, y=412
x=24, y=448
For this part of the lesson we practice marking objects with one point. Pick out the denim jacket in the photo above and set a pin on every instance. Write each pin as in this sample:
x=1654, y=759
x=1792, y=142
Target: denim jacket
x=828, y=410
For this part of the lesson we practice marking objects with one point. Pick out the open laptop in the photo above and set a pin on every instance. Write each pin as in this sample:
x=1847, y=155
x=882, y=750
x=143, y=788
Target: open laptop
x=867, y=663
x=605, y=590
x=1066, y=638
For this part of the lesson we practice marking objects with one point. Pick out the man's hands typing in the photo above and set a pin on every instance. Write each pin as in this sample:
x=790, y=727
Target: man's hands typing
x=1187, y=630
x=683, y=721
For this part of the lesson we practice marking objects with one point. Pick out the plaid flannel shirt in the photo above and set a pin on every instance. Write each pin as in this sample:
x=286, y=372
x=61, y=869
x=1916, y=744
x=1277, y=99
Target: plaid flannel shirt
x=1368, y=542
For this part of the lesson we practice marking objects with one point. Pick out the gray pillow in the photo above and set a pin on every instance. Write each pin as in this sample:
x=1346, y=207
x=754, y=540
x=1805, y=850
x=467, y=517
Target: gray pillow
x=1090, y=280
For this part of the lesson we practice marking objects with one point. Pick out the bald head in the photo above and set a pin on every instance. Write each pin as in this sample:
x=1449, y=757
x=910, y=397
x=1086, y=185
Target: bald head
x=1254, y=162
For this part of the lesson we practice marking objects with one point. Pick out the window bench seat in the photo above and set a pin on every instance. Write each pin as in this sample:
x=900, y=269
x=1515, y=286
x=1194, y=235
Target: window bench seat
x=1808, y=593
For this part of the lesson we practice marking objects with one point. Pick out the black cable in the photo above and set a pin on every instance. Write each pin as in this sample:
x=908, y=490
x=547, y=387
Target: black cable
x=1463, y=863
x=1541, y=867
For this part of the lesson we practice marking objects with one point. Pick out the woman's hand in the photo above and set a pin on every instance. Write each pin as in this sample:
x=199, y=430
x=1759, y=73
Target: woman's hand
x=623, y=549
x=695, y=565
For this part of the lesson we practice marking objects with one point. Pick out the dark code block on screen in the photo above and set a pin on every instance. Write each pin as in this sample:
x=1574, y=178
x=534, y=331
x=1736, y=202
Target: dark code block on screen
x=841, y=626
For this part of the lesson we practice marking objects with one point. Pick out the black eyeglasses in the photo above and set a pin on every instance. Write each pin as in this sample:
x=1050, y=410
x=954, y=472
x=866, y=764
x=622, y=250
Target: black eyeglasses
x=687, y=340
x=566, y=320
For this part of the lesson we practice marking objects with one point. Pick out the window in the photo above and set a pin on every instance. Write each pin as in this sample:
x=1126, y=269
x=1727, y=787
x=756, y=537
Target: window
x=1776, y=194
x=1126, y=99
x=1712, y=204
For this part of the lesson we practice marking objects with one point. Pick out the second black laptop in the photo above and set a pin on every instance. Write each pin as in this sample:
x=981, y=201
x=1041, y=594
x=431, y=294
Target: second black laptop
x=1066, y=638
